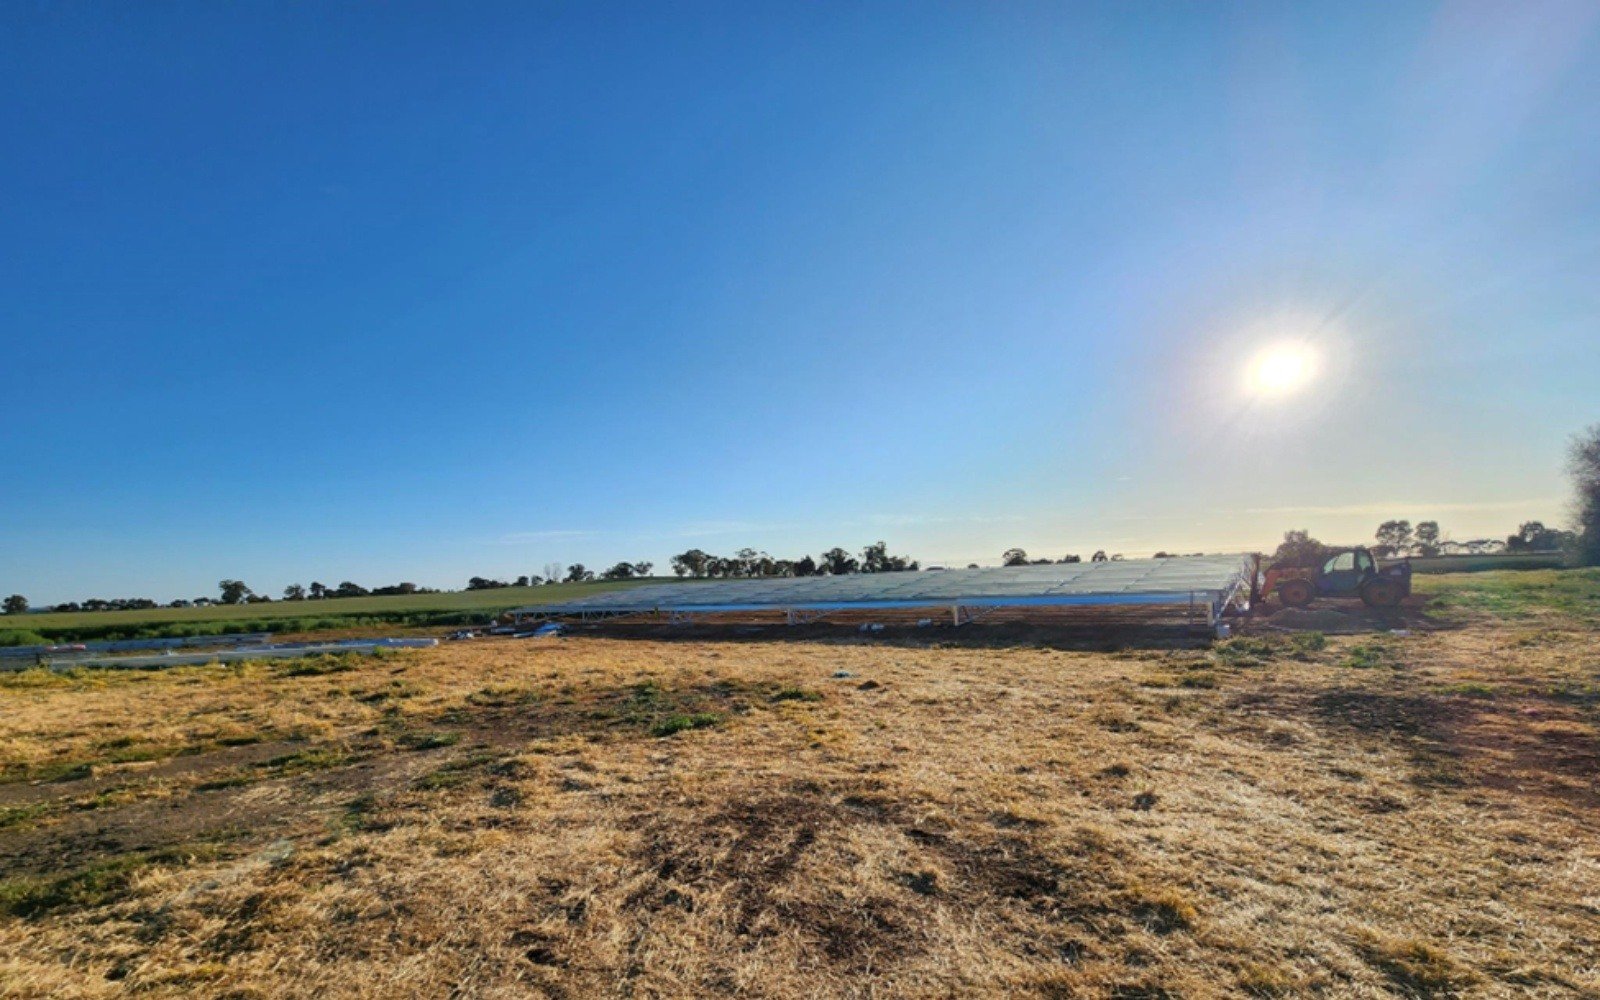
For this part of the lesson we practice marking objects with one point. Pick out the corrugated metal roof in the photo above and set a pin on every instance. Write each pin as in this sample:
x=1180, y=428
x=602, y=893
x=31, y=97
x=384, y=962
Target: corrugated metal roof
x=1132, y=581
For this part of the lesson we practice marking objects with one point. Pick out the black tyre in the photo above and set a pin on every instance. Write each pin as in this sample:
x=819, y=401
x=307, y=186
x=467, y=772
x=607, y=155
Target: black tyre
x=1380, y=593
x=1295, y=593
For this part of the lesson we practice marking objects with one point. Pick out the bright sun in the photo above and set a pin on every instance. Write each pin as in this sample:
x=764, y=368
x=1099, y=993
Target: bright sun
x=1282, y=369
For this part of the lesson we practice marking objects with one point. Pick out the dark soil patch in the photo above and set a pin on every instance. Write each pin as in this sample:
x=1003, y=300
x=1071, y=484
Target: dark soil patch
x=222, y=806
x=111, y=776
x=1339, y=616
x=1379, y=713
x=226, y=812
x=1522, y=745
x=757, y=849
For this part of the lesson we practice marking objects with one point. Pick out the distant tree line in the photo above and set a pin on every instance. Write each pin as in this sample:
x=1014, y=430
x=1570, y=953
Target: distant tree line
x=1019, y=557
x=576, y=573
x=322, y=592
x=748, y=563
x=1399, y=538
x=92, y=604
x=229, y=592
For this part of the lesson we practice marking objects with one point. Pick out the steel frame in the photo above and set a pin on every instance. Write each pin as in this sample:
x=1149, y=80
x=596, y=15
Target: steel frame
x=1213, y=601
x=966, y=614
x=964, y=610
x=1029, y=601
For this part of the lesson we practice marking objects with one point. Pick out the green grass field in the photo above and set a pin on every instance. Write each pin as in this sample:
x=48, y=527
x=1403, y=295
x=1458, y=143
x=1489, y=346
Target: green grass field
x=455, y=607
x=1479, y=564
x=1514, y=594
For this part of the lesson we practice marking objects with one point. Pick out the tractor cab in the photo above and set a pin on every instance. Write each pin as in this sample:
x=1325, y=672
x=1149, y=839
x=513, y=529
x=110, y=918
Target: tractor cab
x=1351, y=572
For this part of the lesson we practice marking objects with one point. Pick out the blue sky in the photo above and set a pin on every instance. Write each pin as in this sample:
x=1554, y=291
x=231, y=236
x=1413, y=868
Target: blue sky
x=383, y=292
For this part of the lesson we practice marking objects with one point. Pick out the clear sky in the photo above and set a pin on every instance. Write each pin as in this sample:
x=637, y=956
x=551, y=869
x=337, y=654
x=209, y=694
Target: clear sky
x=393, y=291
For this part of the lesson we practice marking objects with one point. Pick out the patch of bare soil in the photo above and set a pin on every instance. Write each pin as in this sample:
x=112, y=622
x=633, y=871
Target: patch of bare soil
x=165, y=817
x=106, y=777
x=240, y=794
x=1519, y=741
x=1343, y=617
x=754, y=856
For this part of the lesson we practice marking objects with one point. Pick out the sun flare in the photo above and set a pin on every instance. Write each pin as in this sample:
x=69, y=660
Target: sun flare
x=1282, y=369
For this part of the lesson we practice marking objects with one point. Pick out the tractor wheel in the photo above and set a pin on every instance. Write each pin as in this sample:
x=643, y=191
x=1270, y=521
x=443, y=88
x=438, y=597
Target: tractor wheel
x=1295, y=593
x=1380, y=593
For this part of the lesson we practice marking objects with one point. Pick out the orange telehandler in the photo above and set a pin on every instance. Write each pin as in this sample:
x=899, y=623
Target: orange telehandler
x=1350, y=572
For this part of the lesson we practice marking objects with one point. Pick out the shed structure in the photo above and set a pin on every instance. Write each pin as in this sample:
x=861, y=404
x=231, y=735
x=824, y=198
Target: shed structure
x=1206, y=585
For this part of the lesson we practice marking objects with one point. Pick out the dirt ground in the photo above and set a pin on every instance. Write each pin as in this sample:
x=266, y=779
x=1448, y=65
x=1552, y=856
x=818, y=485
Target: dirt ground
x=932, y=812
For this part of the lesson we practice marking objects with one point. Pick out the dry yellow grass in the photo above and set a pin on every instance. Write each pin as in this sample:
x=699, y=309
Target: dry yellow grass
x=597, y=817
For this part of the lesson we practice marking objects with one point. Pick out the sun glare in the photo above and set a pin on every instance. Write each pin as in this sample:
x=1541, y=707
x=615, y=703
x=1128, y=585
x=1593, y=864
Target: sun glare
x=1282, y=369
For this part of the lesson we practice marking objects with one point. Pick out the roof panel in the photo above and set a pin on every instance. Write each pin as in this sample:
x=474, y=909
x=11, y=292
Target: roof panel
x=1133, y=580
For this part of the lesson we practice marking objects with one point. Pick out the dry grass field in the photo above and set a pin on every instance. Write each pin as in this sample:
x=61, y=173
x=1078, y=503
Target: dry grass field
x=1276, y=815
